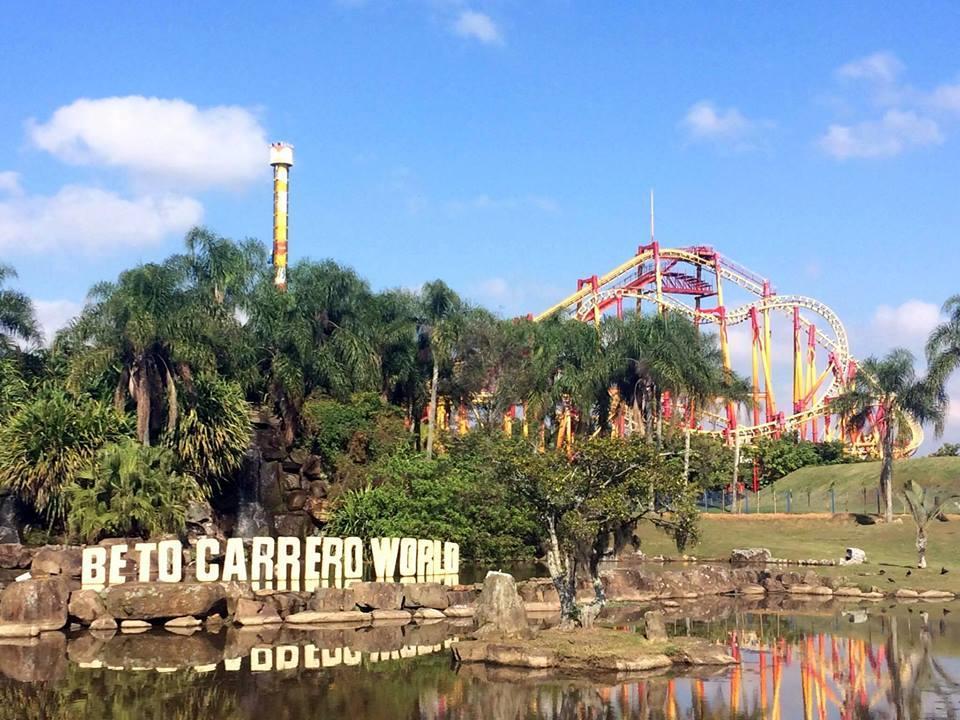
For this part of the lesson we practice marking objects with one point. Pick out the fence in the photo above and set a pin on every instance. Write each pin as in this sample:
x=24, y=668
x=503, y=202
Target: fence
x=767, y=500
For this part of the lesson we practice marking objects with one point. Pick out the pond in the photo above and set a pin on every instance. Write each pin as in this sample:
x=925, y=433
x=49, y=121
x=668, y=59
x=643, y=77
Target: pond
x=823, y=661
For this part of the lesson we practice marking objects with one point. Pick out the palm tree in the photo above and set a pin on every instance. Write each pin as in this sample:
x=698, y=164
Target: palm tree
x=923, y=509
x=888, y=393
x=943, y=347
x=17, y=321
x=136, y=335
x=440, y=321
x=221, y=269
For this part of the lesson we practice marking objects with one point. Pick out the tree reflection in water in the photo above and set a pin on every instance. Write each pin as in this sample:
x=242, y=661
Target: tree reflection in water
x=894, y=663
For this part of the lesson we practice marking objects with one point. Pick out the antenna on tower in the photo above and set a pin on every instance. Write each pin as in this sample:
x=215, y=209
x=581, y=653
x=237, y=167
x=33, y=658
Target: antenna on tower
x=652, y=227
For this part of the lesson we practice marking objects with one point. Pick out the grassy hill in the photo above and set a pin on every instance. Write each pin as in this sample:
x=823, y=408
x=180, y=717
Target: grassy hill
x=855, y=486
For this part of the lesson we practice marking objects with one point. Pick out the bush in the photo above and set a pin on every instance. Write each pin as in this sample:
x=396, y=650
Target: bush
x=456, y=497
x=780, y=457
x=46, y=441
x=212, y=432
x=130, y=490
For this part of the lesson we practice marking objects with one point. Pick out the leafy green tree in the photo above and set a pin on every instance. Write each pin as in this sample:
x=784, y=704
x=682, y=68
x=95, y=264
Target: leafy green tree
x=889, y=390
x=17, y=320
x=129, y=490
x=943, y=346
x=591, y=503
x=213, y=431
x=947, y=450
x=315, y=338
x=923, y=509
x=48, y=440
x=440, y=325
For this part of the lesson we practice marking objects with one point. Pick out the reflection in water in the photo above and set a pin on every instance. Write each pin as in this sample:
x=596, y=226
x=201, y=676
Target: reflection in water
x=900, y=663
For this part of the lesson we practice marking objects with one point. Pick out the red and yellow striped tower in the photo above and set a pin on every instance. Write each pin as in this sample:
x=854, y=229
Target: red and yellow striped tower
x=281, y=158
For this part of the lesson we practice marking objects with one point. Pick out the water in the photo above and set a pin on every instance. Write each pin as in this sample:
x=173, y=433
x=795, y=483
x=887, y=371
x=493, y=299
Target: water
x=826, y=661
x=252, y=518
x=9, y=519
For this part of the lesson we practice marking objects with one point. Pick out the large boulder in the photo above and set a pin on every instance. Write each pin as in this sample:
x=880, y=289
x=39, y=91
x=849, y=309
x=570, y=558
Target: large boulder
x=378, y=595
x=750, y=555
x=654, y=629
x=292, y=524
x=86, y=606
x=331, y=600
x=425, y=595
x=40, y=603
x=57, y=561
x=150, y=601
x=14, y=556
x=500, y=608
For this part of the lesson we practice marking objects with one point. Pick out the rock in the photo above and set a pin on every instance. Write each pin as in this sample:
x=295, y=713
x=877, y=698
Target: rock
x=425, y=595
x=269, y=487
x=135, y=625
x=847, y=591
x=429, y=614
x=9, y=519
x=378, y=595
x=292, y=524
x=319, y=509
x=40, y=601
x=772, y=585
x=936, y=595
x=187, y=621
x=148, y=601
x=906, y=593
x=102, y=624
x=331, y=600
x=311, y=617
x=256, y=612
x=403, y=616
x=317, y=489
x=298, y=456
x=499, y=607
x=65, y=561
x=86, y=606
x=296, y=500
x=854, y=556
x=460, y=611
x=654, y=628
x=462, y=597
x=289, y=482
x=312, y=468
x=14, y=556
x=750, y=555
x=18, y=630
x=752, y=590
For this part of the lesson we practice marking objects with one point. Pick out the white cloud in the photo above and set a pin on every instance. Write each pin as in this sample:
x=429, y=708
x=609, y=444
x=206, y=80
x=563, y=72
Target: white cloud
x=895, y=132
x=165, y=141
x=728, y=127
x=905, y=325
x=10, y=182
x=477, y=26
x=90, y=219
x=946, y=97
x=879, y=67
x=55, y=314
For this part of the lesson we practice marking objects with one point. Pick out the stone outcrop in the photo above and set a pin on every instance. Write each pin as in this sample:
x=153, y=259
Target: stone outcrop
x=38, y=603
x=150, y=601
x=654, y=629
x=14, y=556
x=378, y=595
x=500, y=609
x=85, y=606
x=425, y=595
x=53, y=560
x=750, y=555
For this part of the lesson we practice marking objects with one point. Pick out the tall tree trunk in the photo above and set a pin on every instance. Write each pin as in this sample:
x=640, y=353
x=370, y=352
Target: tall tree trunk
x=886, y=468
x=563, y=573
x=432, y=415
x=173, y=407
x=921, y=546
x=140, y=390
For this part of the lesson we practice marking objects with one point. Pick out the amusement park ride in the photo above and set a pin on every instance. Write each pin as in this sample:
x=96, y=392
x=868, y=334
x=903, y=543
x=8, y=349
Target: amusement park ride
x=701, y=284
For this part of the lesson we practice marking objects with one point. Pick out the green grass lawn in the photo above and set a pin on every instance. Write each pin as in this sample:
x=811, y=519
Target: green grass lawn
x=889, y=548
x=855, y=485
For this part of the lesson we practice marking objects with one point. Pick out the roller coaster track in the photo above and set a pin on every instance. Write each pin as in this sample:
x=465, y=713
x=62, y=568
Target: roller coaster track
x=655, y=275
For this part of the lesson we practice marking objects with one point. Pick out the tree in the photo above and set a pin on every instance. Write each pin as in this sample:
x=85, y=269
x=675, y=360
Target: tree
x=947, y=450
x=129, y=489
x=923, y=509
x=17, y=320
x=591, y=503
x=47, y=440
x=943, y=346
x=888, y=393
x=315, y=338
x=440, y=323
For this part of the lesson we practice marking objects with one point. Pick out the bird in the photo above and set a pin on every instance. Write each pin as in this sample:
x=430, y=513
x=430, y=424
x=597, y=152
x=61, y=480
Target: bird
x=943, y=571
x=890, y=580
x=909, y=573
x=882, y=572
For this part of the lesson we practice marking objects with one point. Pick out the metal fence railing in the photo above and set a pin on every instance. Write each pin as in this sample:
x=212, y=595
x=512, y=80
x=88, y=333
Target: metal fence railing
x=865, y=501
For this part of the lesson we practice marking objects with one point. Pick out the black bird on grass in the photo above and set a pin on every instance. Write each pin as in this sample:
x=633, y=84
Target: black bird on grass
x=890, y=580
x=909, y=573
x=943, y=571
x=882, y=572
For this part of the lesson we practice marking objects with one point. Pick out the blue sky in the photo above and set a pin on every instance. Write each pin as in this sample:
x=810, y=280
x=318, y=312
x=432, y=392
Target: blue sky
x=506, y=146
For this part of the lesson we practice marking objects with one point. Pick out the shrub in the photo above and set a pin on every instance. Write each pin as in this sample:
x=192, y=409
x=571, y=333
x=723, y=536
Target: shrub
x=212, y=432
x=46, y=441
x=456, y=497
x=129, y=490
